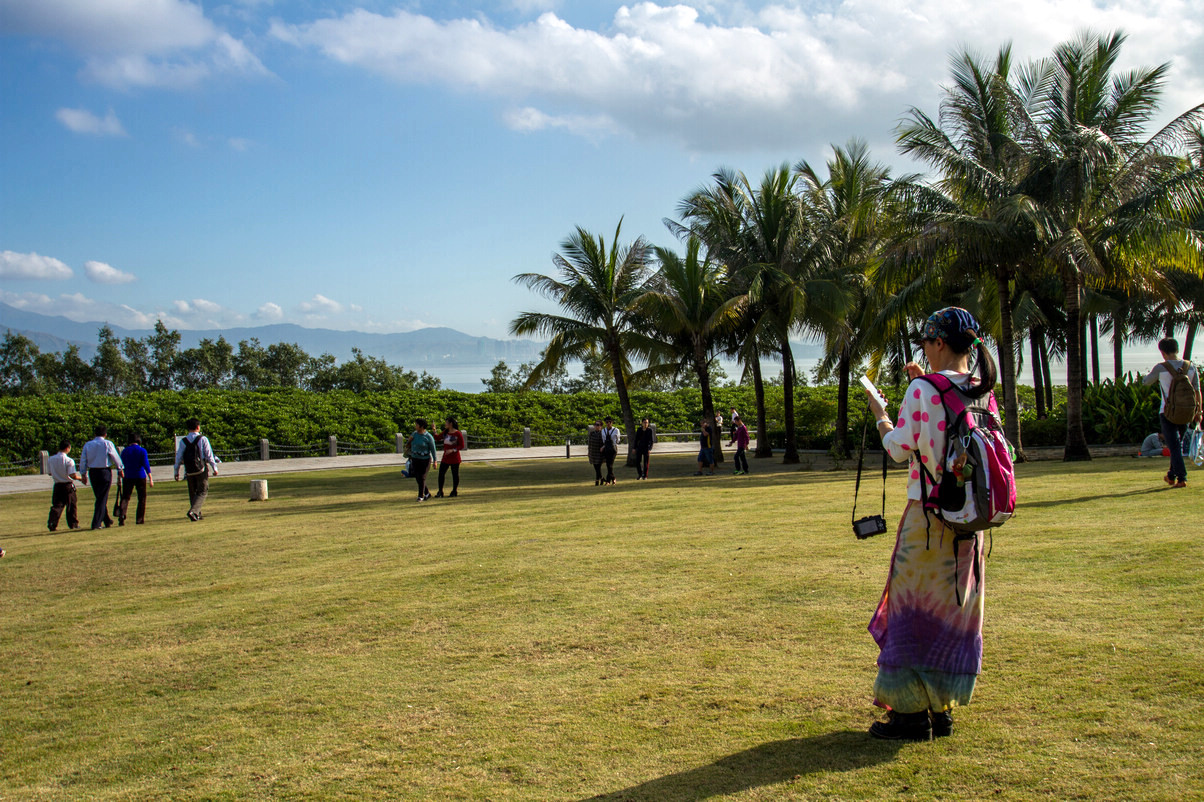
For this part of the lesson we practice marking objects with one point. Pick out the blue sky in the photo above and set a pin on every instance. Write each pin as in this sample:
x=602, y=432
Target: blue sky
x=390, y=165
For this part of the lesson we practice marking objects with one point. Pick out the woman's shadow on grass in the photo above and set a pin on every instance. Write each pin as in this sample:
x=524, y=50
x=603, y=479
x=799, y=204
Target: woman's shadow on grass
x=767, y=764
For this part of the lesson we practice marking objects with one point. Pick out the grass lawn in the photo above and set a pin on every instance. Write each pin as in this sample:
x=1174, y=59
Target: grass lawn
x=542, y=639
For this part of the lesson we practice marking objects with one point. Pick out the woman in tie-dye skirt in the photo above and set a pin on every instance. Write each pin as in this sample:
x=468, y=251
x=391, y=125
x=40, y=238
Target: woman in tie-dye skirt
x=928, y=625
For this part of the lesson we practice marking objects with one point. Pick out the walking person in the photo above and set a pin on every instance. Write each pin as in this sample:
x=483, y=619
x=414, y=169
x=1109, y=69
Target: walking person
x=97, y=460
x=138, y=477
x=422, y=456
x=706, y=450
x=928, y=625
x=62, y=498
x=593, y=447
x=645, y=438
x=453, y=443
x=740, y=440
x=195, y=454
x=1179, y=382
x=610, y=449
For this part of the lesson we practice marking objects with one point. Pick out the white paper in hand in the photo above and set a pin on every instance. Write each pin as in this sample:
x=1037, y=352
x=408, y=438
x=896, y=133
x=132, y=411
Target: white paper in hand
x=874, y=391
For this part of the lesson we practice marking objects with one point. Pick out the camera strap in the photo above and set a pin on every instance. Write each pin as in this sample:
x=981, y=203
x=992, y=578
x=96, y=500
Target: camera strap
x=860, y=464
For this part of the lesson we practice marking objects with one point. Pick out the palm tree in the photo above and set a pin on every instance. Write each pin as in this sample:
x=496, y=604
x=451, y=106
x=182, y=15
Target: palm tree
x=688, y=305
x=977, y=219
x=759, y=233
x=1106, y=197
x=847, y=213
x=595, y=287
x=718, y=215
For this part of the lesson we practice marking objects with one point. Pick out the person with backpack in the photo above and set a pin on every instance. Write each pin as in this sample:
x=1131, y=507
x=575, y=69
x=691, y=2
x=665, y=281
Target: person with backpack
x=610, y=449
x=928, y=624
x=195, y=455
x=422, y=456
x=1179, y=381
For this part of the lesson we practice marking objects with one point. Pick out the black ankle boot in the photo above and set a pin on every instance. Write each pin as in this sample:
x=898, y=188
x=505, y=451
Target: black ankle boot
x=903, y=727
x=942, y=724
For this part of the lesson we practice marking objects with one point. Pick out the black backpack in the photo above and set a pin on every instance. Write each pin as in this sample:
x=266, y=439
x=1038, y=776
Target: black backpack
x=191, y=460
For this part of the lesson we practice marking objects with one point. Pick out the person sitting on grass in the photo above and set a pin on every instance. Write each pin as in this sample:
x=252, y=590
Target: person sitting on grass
x=1154, y=446
x=706, y=450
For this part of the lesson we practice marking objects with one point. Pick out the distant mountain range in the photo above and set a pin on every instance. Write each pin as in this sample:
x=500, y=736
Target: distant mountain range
x=425, y=349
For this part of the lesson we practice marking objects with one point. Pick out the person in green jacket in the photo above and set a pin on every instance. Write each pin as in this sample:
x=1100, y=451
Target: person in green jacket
x=422, y=456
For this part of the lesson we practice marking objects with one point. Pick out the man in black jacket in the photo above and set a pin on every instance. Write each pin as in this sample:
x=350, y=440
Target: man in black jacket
x=644, y=439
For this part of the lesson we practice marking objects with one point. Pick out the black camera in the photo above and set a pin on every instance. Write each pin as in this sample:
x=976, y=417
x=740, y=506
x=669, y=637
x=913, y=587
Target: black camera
x=869, y=526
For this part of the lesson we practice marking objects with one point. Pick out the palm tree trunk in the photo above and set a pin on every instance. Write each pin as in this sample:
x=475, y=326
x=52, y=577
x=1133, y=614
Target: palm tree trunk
x=1190, y=338
x=840, y=443
x=1082, y=349
x=1007, y=362
x=616, y=367
x=1094, y=321
x=1046, y=374
x=1118, y=343
x=791, y=455
x=1076, y=440
x=764, y=449
x=1038, y=377
x=708, y=403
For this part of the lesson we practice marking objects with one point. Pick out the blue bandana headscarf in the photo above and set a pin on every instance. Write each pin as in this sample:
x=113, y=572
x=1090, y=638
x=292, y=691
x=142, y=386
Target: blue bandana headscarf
x=948, y=321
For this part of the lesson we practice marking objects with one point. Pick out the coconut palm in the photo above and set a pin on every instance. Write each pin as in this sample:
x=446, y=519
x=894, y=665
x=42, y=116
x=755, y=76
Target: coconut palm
x=595, y=287
x=1110, y=199
x=690, y=309
x=719, y=216
x=847, y=213
x=976, y=219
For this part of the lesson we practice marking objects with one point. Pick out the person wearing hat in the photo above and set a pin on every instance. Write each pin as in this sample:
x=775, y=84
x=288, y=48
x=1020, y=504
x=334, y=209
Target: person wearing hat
x=610, y=449
x=928, y=625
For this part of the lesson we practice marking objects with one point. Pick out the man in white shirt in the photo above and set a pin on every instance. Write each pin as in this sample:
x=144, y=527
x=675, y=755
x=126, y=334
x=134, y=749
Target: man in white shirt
x=610, y=449
x=1172, y=433
x=96, y=463
x=196, y=455
x=62, y=471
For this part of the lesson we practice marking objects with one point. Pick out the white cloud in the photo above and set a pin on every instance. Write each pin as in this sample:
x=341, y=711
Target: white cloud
x=320, y=305
x=79, y=307
x=82, y=121
x=32, y=265
x=239, y=144
x=102, y=273
x=724, y=75
x=270, y=312
x=135, y=43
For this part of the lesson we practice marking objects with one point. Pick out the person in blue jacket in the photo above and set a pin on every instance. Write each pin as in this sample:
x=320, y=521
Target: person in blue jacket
x=137, y=477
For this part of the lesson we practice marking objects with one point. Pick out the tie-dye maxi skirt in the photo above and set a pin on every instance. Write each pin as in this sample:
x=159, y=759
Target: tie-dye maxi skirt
x=928, y=625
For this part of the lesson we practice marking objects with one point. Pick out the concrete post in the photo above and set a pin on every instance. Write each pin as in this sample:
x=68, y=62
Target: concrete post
x=44, y=462
x=652, y=426
x=259, y=490
x=179, y=437
x=265, y=449
x=526, y=437
x=568, y=445
x=400, y=439
x=333, y=448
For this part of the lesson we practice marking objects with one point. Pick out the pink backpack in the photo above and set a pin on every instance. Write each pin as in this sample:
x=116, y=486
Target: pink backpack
x=977, y=490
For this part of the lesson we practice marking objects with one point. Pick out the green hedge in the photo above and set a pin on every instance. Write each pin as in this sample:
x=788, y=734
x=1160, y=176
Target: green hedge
x=236, y=419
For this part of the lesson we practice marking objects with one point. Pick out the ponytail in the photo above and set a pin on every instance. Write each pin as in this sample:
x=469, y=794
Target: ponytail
x=984, y=366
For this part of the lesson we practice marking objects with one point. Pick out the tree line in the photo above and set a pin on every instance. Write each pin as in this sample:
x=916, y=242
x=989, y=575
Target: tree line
x=156, y=362
x=1051, y=213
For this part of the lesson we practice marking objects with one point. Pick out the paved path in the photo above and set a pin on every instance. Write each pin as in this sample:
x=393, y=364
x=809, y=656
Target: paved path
x=38, y=483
